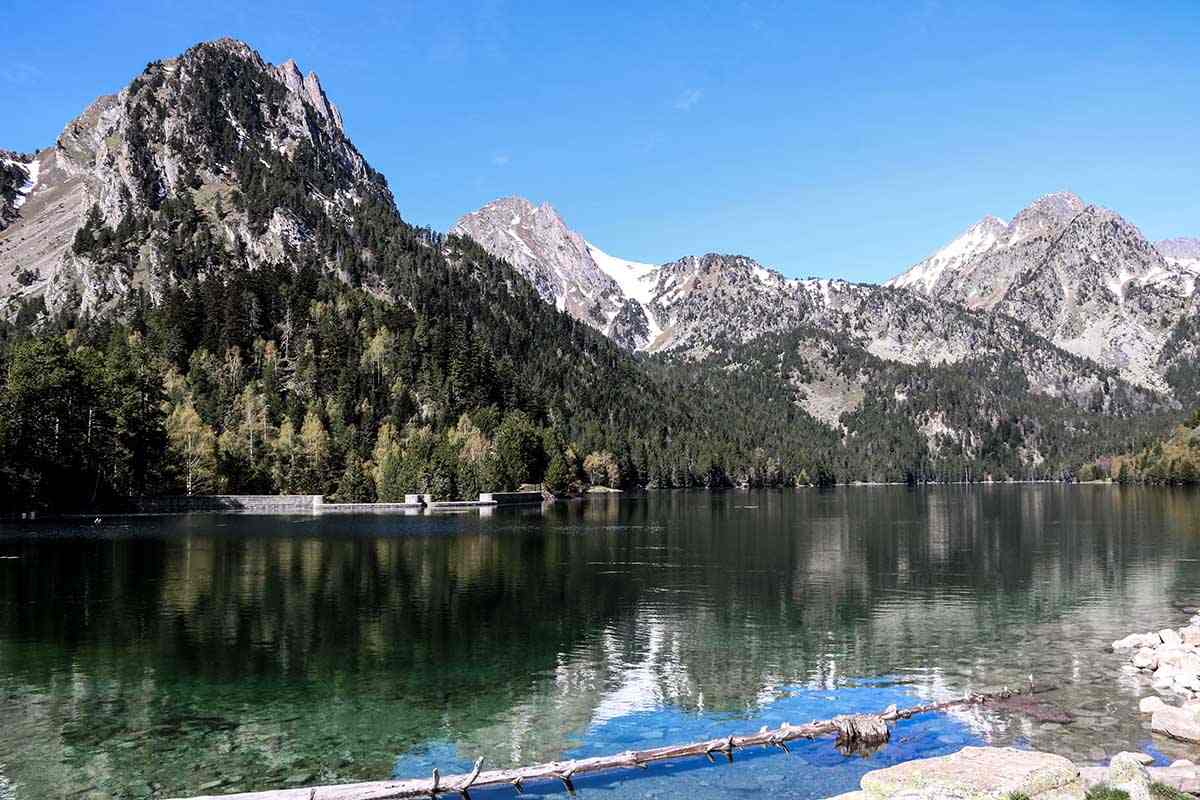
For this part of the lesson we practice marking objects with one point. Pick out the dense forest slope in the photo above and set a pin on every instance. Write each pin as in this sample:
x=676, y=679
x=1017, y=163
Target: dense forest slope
x=207, y=288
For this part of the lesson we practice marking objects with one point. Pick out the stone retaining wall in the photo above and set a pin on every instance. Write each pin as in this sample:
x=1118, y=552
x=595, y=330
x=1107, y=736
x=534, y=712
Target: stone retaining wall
x=246, y=503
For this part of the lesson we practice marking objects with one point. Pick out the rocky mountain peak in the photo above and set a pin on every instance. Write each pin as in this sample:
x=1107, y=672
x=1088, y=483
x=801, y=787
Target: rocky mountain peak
x=1182, y=251
x=555, y=259
x=1044, y=216
x=216, y=123
x=1062, y=205
x=1079, y=274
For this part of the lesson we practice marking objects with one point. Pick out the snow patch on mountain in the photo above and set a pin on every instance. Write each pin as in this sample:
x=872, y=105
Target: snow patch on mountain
x=978, y=238
x=635, y=279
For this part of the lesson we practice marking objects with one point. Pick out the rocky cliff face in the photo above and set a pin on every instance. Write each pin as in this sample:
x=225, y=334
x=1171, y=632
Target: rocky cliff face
x=218, y=121
x=1077, y=274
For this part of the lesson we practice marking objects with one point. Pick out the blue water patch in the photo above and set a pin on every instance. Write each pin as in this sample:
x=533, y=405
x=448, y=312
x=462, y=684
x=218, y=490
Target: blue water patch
x=813, y=769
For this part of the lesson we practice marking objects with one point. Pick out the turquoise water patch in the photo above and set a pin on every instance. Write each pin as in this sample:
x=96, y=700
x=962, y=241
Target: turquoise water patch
x=813, y=769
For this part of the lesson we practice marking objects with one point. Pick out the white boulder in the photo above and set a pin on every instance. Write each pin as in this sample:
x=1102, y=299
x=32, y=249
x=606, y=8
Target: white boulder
x=1170, y=637
x=1145, y=658
x=1178, y=723
x=1127, y=772
x=1148, y=705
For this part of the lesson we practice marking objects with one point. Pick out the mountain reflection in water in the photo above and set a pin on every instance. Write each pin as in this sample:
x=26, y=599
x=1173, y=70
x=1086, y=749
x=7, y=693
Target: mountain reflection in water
x=158, y=655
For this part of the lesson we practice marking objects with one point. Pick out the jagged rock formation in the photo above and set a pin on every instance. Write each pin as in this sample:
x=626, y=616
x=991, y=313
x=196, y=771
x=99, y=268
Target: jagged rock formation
x=202, y=120
x=1080, y=275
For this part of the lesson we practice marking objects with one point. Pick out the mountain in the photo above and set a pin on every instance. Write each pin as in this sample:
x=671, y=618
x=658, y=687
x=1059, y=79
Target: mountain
x=201, y=124
x=566, y=271
x=700, y=305
x=212, y=229
x=206, y=287
x=1183, y=252
x=1079, y=275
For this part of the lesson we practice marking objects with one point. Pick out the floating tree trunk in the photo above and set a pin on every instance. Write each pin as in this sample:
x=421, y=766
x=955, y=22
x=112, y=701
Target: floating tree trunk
x=854, y=732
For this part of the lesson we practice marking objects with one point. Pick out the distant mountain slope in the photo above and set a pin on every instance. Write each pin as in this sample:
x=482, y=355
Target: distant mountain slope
x=1078, y=274
x=1181, y=252
x=895, y=421
x=699, y=305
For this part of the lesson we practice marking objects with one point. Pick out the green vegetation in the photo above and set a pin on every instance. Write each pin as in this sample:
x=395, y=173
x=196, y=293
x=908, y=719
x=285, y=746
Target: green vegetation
x=1163, y=792
x=1106, y=793
x=1173, y=460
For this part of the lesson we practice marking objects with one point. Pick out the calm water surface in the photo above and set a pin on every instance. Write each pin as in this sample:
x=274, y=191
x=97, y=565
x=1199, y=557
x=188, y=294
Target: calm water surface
x=175, y=655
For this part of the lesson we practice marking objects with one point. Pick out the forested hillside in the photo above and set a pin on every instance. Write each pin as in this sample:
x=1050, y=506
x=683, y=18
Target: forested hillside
x=1173, y=459
x=241, y=308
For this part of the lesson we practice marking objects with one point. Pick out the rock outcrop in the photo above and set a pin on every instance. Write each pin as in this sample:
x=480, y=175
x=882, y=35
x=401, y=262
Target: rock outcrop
x=975, y=773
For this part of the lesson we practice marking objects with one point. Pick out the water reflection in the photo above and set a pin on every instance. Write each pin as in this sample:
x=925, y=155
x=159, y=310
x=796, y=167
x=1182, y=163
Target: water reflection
x=159, y=655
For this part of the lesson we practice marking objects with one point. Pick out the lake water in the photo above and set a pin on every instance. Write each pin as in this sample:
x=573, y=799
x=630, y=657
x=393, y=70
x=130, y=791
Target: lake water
x=164, y=656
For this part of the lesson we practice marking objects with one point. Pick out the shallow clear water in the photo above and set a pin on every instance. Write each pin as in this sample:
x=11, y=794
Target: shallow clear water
x=174, y=655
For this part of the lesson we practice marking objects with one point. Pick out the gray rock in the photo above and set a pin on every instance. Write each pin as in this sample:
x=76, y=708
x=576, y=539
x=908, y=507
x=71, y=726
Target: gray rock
x=975, y=773
x=1136, y=640
x=1187, y=682
x=1127, y=772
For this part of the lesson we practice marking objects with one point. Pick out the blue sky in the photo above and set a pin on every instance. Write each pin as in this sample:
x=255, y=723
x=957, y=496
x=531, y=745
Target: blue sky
x=848, y=140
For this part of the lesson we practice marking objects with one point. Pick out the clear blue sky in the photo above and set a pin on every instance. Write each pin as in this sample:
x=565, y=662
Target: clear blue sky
x=848, y=141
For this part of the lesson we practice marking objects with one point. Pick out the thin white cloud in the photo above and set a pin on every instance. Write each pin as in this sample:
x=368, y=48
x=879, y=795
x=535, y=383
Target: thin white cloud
x=500, y=159
x=688, y=99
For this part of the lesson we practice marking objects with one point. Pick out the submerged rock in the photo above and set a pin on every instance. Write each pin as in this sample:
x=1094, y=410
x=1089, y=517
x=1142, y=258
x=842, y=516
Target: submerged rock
x=1136, y=640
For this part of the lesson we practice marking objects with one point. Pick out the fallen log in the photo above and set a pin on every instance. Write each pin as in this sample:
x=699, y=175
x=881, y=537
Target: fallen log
x=853, y=732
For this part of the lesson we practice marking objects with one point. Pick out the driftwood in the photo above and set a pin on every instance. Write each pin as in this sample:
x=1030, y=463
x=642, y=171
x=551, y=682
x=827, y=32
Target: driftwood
x=854, y=732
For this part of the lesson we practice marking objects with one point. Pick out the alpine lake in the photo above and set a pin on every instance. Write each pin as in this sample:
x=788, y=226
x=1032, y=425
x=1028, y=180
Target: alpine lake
x=169, y=656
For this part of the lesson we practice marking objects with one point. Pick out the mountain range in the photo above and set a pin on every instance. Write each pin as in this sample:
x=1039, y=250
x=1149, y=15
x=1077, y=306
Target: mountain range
x=216, y=206
x=1079, y=276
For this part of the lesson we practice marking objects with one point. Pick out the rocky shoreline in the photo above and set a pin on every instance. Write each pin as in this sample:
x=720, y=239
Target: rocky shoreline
x=1171, y=658
x=1004, y=773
